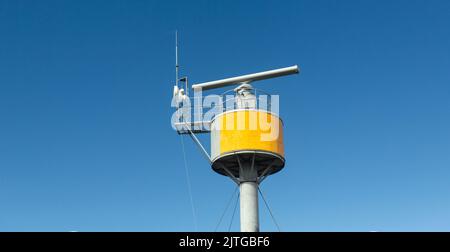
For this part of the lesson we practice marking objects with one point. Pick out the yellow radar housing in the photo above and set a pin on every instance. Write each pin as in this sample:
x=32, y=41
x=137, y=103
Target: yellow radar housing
x=247, y=135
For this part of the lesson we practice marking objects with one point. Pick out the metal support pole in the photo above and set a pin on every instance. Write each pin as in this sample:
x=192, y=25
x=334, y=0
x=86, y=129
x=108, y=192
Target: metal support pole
x=248, y=185
x=249, y=207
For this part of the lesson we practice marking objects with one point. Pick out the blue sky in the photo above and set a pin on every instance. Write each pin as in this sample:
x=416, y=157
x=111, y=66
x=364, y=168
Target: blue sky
x=85, y=136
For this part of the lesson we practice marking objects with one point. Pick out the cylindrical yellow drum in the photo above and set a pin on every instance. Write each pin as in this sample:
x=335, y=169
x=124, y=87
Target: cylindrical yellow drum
x=250, y=135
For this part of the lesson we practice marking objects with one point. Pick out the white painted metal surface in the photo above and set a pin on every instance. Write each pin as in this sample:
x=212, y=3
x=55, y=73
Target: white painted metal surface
x=247, y=78
x=249, y=207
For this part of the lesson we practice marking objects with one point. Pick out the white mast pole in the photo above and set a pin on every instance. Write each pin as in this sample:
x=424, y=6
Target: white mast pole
x=249, y=207
x=248, y=186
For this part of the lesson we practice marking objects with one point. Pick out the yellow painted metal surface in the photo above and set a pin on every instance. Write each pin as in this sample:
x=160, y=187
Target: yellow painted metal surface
x=246, y=130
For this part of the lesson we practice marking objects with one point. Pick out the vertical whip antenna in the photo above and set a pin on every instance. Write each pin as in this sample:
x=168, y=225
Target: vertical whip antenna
x=176, y=57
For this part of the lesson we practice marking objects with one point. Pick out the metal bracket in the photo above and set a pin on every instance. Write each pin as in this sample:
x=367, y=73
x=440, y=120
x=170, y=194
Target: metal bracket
x=236, y=180
x=199, y=144
x=263, y=174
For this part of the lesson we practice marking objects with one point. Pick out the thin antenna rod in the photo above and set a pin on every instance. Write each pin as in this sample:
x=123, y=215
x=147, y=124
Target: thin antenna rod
x=176, y=57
